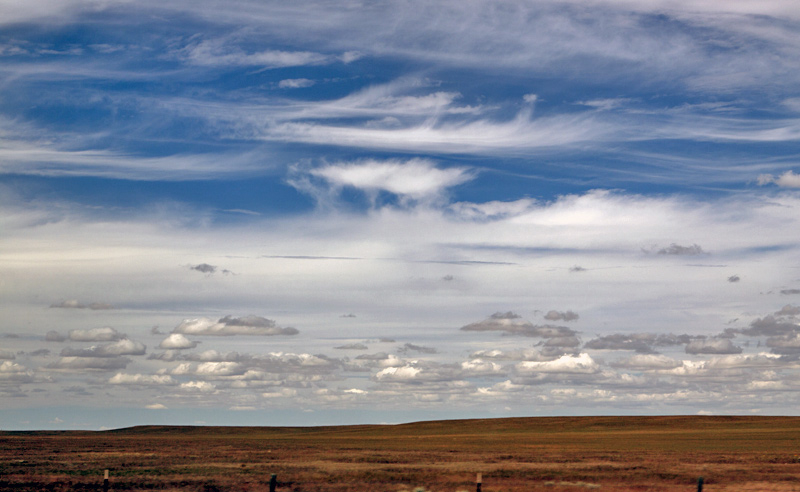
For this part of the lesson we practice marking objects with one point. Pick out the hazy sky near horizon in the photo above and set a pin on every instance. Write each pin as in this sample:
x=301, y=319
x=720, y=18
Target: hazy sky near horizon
x=296, y=213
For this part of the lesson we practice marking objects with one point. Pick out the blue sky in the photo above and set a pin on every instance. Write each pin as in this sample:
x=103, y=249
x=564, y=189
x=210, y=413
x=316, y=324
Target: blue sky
x=271, y=214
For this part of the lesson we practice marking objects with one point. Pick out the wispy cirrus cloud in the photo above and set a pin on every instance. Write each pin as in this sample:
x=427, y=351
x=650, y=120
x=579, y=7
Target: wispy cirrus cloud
x=466, y=159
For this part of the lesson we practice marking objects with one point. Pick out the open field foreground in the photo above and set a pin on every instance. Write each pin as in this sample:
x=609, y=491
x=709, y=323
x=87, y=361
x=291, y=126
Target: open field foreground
x=513, y=455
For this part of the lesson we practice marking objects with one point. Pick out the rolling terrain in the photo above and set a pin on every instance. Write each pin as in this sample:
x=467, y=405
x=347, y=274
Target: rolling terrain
x=513, y=455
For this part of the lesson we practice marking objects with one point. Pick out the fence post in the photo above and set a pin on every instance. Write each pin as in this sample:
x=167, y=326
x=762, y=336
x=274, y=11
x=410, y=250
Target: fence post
x=105, y=481
x=700, y=484
x=273, y=483
x=478, y=480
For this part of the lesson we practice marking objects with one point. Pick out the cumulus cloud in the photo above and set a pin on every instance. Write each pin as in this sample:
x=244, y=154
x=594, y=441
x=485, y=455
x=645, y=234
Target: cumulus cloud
x=74, y=304
x=410, y=347
x=177, y=341
x=415, y=178
x=90, y=363
x=772, y=326
x=204, y=268
x=7, y=355
x=15, y=373
x=166, y=356
x=712, y=346
x=788, y=344
x=54, y=336
x=416, y=373
x=105, y=334
x=479, y=367
x=403, y=373
x=518, y=354
x=566, y=364
x=563, y=342
x=382, y=358
x=216, y=369
x=644, y=343
x=678, y=250
x=230, y=326
x=647, y=362
x=121, y=347
x=513, y=324
x=352, y=346
x=281, y=393
x=553, y=315
x=215, y=356
x=198, y=386
x=530, y=98
x=786, y=180
x=788, y=310
x=744, y=361
x=142, y=379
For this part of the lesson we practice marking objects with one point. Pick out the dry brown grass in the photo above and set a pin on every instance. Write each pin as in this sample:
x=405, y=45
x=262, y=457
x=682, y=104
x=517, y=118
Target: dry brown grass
x=514, y=455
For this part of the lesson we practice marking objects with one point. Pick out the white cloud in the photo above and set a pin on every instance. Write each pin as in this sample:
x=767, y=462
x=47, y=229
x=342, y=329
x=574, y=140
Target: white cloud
x=199, y=386
x=106, y=334
x=295, y=83
x=500, y=389
x=566, y=364
x=220, y=52
x=478, y=367
x=786, y=180
x=516, y=354
x=415, y=178
x=281, y=393
x=761, y=360
x=215, y=369
x=713, y=346
x=121, y=347
x=512, y=323
x=89, y=363
x=16, y=373
x=214, y=356
x=230, y=326
x=646, y=362
x=74, y=304
x=177, y=341
x=404, y=373
x=142, y=379
x=512, y=137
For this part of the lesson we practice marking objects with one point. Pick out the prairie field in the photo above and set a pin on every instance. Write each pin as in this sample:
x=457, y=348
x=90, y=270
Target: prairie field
x=512, y=455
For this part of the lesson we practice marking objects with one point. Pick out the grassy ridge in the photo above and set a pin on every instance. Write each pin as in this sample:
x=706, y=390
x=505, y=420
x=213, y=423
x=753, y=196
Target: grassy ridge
x=514, y=455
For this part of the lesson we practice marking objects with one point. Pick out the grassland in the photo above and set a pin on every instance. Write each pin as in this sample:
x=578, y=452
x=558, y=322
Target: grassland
x=513, y=455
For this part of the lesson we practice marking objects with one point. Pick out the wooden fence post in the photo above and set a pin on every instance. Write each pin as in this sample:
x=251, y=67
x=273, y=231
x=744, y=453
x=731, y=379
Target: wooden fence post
x=700, y=484
x=105, y=481
x=273, y=483
x=478, y=480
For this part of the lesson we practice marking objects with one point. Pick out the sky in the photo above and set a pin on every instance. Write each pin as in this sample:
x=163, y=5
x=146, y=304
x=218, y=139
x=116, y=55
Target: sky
x=305, y=213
